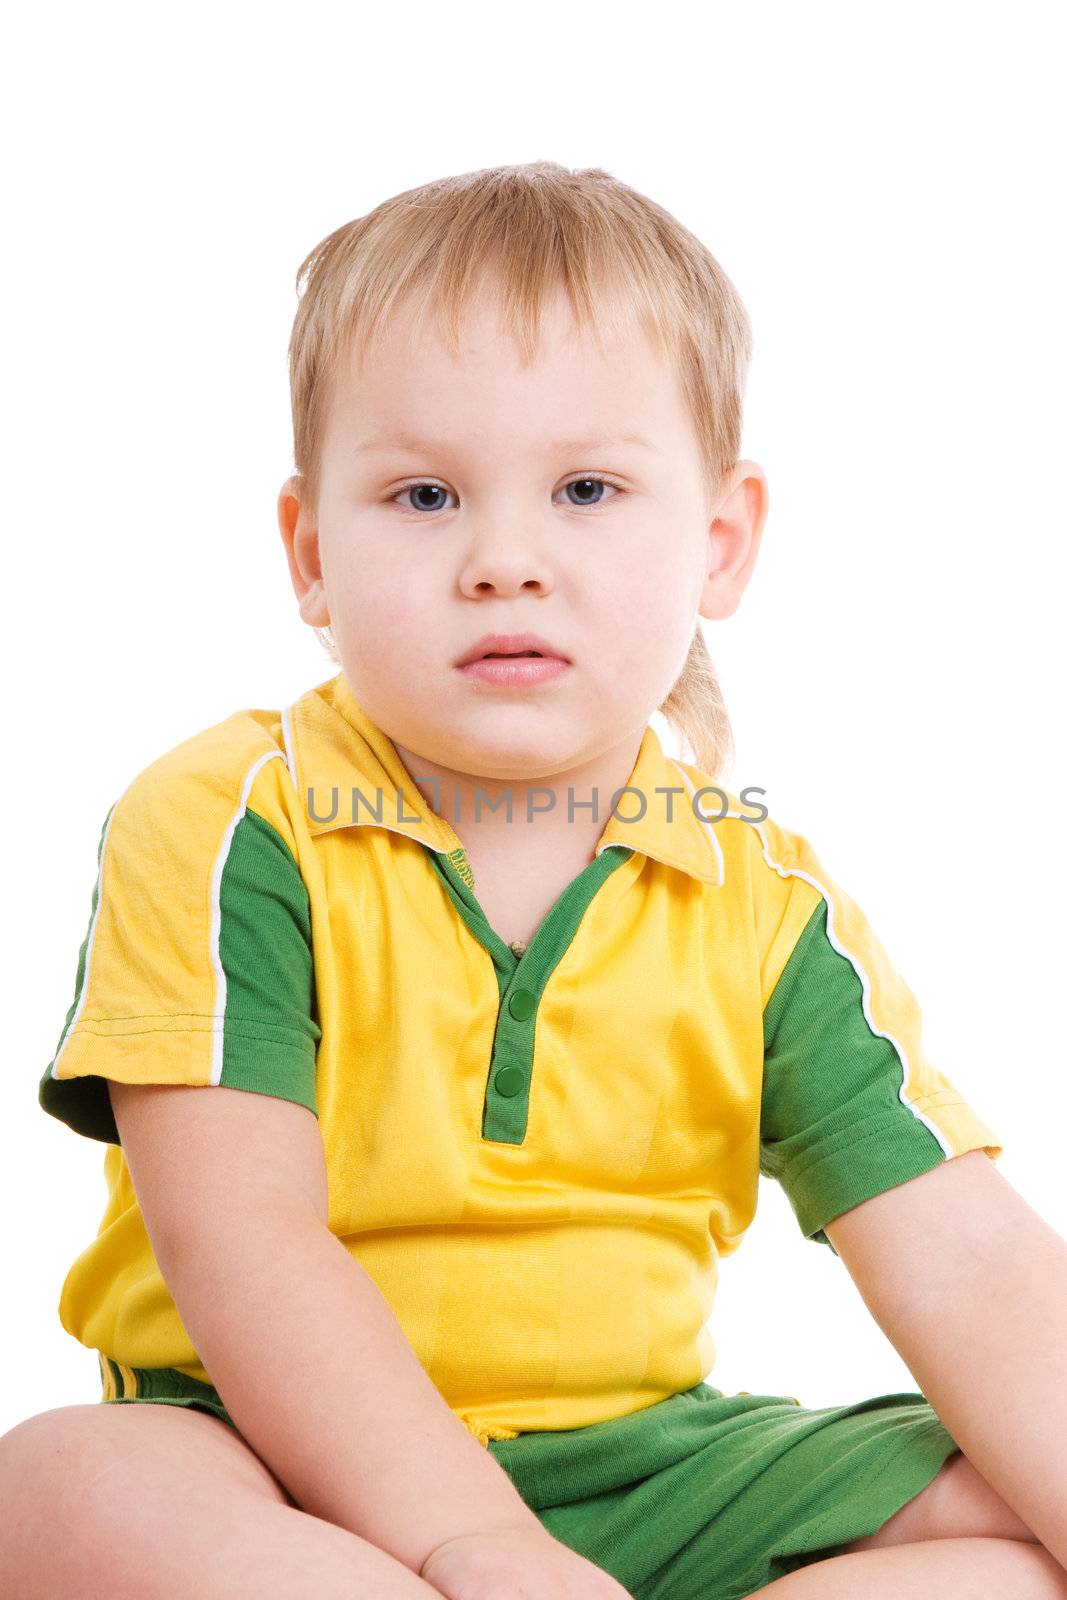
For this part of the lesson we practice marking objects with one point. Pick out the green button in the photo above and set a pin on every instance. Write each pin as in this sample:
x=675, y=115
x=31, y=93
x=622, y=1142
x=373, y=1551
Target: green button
x=523, y=1003
x=509, y=1081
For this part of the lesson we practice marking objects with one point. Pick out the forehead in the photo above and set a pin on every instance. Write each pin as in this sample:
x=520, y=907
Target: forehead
x=609, y=378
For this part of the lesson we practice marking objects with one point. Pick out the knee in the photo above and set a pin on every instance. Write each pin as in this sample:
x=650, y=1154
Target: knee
x=52, y=1474
x=66, y=1508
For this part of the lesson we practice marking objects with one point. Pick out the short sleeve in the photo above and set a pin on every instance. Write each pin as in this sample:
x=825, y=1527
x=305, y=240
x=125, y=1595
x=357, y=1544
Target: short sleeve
x=196, y=967
x=851, y=1105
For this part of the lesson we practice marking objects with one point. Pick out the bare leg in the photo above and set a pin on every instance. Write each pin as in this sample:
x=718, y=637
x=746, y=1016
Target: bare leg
x=951, y=1569
x=157, y=1502
x=957, y=1504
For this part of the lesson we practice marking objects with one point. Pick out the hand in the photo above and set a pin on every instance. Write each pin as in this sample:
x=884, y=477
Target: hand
x=522, y=1563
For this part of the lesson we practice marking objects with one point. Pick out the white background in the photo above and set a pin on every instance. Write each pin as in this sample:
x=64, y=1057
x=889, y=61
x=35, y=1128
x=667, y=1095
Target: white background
x=881, y=185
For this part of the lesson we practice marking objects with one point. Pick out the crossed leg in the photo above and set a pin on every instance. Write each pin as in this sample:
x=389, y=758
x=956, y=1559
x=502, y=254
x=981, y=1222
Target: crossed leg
x=156, y=1502
x=956, y=1504
x=956, y=1538
x=951, y=1569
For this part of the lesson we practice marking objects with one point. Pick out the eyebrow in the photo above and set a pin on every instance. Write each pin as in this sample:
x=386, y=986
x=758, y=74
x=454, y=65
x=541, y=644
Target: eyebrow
x=407, y=441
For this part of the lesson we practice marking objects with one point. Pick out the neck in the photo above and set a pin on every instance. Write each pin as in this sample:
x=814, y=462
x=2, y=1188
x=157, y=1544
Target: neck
x=565, y=811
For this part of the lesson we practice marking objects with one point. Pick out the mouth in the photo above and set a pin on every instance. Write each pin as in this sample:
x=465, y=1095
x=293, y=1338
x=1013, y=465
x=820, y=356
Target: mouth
x=512, y=647
x=528, y=661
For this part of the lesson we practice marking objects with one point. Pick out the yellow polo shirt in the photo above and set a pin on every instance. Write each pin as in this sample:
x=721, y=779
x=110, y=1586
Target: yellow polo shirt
x=539, y=1156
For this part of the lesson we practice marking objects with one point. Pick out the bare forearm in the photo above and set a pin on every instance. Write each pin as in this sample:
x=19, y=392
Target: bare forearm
x=990, y=1355
x=316, y=1372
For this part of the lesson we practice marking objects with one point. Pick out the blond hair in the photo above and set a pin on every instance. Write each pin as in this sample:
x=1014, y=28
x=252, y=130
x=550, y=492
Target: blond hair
x=543, y=227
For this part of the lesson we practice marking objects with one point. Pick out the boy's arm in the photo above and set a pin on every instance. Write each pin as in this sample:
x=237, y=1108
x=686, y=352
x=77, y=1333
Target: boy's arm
x=305, y=1351
x=969, y=1284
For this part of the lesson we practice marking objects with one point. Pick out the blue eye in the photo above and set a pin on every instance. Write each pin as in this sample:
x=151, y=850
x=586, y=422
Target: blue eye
x=575, y=483
x=424, y=487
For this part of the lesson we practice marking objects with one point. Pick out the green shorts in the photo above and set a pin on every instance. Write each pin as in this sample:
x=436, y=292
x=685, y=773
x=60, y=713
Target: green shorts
x=704, y=1496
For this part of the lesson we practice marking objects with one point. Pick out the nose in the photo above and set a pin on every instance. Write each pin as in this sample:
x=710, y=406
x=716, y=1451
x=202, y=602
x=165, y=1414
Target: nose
x=495, y=566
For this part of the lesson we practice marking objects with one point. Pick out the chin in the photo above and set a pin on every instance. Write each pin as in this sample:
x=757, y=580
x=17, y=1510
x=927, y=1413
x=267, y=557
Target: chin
x=518, y=759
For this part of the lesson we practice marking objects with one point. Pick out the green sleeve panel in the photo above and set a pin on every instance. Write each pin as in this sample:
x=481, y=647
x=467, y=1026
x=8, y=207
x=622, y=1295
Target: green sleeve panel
x=847, y=1109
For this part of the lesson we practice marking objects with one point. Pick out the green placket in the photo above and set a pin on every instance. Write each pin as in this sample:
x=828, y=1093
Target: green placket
x=521, y=979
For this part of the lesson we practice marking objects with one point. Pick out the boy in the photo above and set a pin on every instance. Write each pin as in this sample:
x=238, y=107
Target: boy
x=546, y=1057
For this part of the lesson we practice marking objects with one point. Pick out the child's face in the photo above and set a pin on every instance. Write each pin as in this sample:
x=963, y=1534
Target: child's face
x=614, y=577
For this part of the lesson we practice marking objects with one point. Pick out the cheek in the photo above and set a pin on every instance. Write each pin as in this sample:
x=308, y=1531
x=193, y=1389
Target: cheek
x=648, y=624
x=372, y=604
x=652, y=596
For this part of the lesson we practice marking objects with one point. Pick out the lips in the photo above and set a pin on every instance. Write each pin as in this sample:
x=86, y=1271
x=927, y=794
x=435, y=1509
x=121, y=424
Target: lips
x=511, y=645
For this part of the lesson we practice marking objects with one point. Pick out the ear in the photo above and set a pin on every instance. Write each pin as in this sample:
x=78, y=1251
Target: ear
x=300, y=536
x=734, y=538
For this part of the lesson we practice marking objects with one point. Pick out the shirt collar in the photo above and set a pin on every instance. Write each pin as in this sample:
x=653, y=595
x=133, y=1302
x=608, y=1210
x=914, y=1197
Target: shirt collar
x=332, y=748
